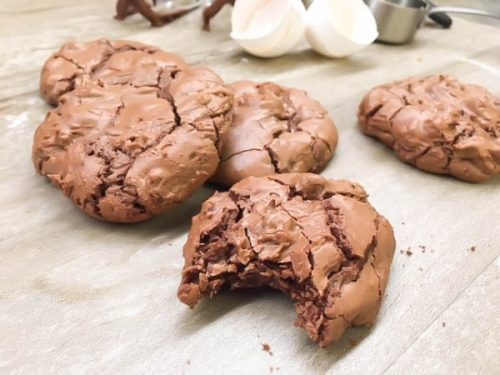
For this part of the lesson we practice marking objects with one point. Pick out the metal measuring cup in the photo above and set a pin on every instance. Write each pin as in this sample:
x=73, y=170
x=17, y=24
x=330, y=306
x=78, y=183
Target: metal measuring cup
x=399, y=20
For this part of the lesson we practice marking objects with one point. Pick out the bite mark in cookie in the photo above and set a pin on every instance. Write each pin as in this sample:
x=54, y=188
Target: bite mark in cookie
x=318, y=241
x=437, y=124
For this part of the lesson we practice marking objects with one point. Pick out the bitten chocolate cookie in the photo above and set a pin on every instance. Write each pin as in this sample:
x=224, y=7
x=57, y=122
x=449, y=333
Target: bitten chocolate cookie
x=126, y=153
x=437, y=124
x=275, y=130
x=318, y=241
x=106, y=62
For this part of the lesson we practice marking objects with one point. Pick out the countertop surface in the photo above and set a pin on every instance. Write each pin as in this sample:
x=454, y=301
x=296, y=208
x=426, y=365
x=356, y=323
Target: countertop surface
x=78, y=296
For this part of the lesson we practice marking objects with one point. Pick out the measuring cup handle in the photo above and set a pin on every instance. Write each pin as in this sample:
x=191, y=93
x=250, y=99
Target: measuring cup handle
x=472, y=12
x=441, y=19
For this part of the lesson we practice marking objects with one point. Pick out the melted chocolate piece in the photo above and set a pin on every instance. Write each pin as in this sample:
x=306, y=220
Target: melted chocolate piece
x=125, y=8
x=316, y=240
x=212, y=10
x=437, y=124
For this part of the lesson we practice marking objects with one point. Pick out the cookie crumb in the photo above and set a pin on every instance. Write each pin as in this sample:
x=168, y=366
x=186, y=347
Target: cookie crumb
x=409, y=252
x=267, y=348
x=472, y=249
x=443, y=324
x=353, y=342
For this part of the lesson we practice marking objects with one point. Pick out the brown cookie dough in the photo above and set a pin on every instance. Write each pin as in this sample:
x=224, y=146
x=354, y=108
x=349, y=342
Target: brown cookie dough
x=317, y=240
x=106, y=62
x=437, y=124
x=126, y=153
x=275, y=130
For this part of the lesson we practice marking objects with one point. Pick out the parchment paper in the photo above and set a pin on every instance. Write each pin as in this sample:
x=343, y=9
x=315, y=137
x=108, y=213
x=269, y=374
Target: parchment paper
x=78, y=296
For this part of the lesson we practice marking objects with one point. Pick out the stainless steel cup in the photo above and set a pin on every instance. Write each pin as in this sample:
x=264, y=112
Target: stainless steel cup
x=399, y=20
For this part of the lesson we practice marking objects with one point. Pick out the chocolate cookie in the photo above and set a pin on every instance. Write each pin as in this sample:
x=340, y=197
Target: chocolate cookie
x=275, y=130
x=437, y=124
x=318, y=241
x=125, y=153
x=106, y=62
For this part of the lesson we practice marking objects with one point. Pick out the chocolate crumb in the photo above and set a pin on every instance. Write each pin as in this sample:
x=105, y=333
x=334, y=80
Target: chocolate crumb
x=267, y=348
x=401, y=251
x=353, y=342
x=409, y=253
x=443, y=324
x=472, y=249
x=422, y=248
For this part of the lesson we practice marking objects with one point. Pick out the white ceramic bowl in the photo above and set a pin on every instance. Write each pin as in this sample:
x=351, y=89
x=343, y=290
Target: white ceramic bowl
x=338, y=28
x=268, y=28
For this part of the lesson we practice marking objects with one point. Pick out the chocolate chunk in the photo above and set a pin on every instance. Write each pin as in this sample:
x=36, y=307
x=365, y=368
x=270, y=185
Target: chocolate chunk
x=318, y=241
x=124, y=153
x=275, y=130
x=212, y=10
x=437, y=124
x=125, y=8
x=106, y=62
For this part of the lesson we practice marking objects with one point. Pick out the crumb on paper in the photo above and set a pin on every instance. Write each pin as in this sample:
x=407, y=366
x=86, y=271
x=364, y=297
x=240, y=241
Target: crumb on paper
x=472, y=249
x=403, y=223
x=401, y=251
x=422, y=248
x=443, y=324
x=420, y=269
x=188, y=361
x=409, y=252
x=267, y=348
x=353, y=342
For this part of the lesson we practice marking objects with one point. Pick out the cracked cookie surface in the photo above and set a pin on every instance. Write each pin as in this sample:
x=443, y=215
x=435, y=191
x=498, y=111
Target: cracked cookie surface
x=437, y=124
x=318, y=241
x=124, y=153
x=106, y=62
x=275, y=130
